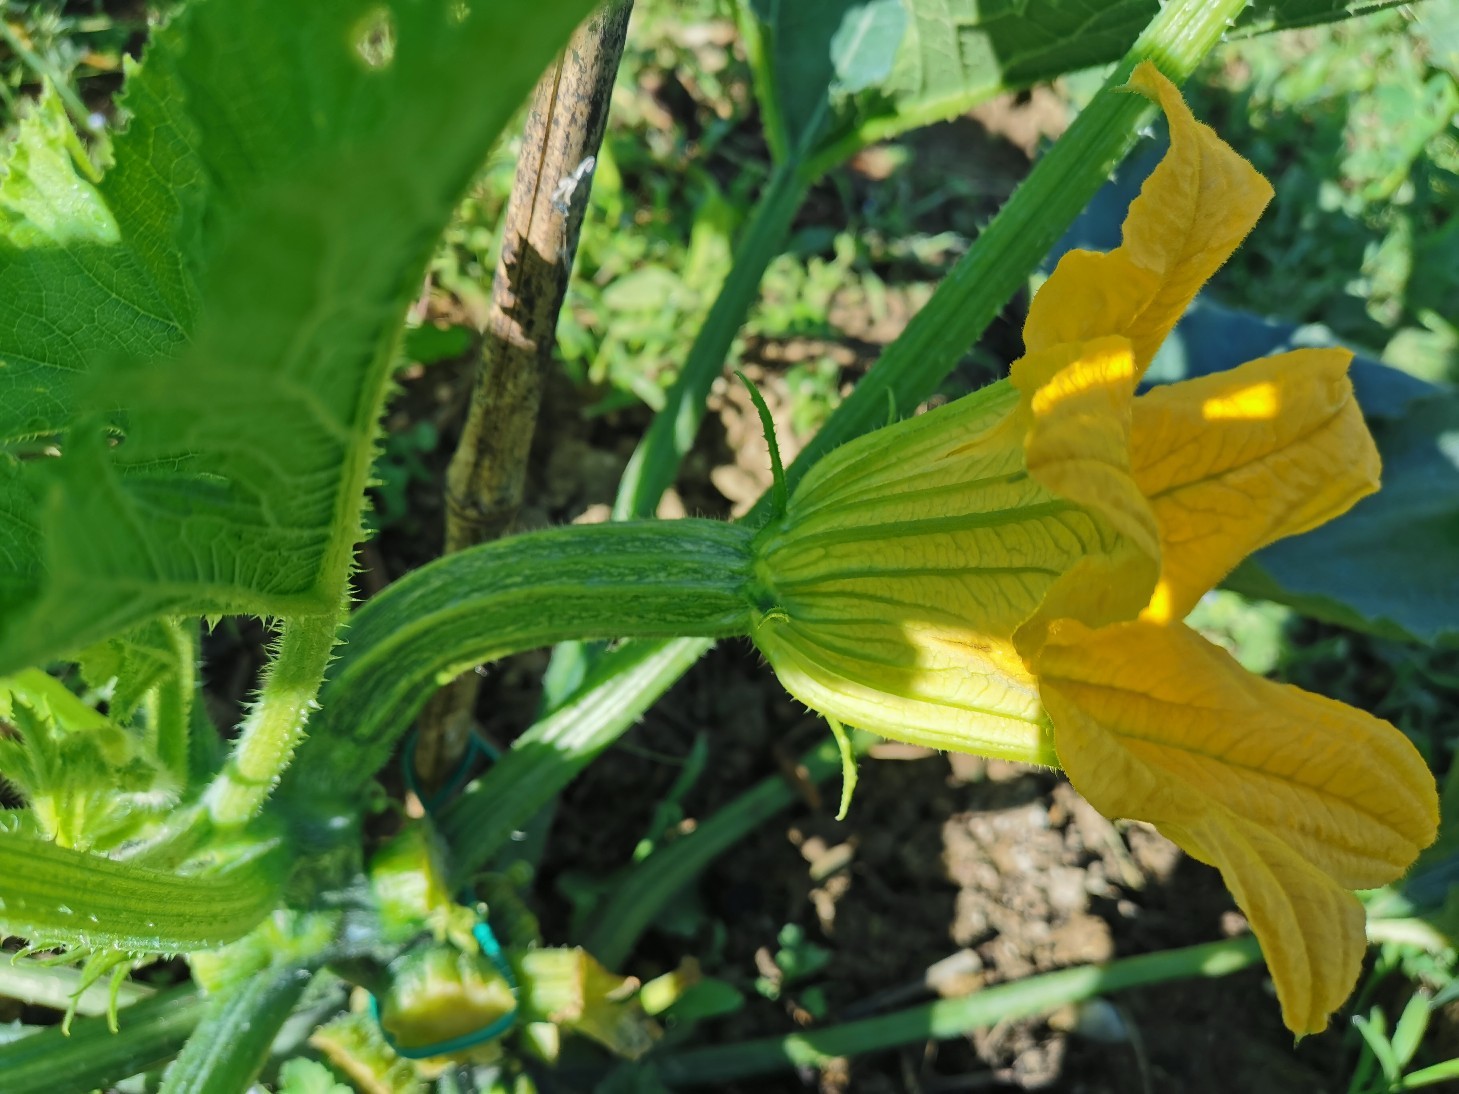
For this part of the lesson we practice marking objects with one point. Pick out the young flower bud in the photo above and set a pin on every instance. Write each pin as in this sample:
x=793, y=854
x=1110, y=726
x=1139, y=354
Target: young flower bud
x=888, y=593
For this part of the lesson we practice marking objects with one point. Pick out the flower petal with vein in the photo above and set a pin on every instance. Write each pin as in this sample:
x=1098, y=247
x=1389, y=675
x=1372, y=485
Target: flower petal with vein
x=1007, y=574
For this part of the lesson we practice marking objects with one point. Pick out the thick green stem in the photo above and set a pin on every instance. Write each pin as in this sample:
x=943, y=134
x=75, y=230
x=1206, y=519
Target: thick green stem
x=231, y=1044
x=1041, y=210
x=54, y=895
x=92, y=1056
x=650, y=579
x=655, y=461
x=275, y=726
x=949, y=1018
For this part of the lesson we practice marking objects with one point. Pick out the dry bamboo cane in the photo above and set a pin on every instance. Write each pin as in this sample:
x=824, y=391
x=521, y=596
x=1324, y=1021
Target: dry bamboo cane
x=564, y=129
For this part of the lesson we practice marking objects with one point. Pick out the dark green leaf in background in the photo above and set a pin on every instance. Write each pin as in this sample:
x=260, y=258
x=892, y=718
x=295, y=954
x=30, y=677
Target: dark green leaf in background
x=1391, y=565
x=953, y=54
x=819, y=48
x=1269, y=15
x=955, y=48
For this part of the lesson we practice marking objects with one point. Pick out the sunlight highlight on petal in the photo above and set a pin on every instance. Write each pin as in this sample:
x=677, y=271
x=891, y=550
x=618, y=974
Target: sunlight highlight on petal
x=1236, y=460
x=1257, y=403
x=1078, y=401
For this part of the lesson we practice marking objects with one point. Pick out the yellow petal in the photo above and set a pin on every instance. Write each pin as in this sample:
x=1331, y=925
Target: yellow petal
x=1077, y=400
x=1293, y=797
x=1311, y=929
x=1239, y=459
x=1192, y=213
x=941, y=686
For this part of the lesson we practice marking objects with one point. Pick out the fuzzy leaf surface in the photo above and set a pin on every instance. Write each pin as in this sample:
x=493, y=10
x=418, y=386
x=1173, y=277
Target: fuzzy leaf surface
x=205, y=333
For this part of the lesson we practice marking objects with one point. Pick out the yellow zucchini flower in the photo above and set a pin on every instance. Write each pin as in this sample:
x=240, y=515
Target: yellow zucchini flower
x=1007, y=575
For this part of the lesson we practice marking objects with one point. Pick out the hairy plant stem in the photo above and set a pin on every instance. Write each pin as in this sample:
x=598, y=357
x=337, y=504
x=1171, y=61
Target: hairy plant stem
x=275, y=725
x=169, y=706
x=634, y=579
x=57, y=896
x=949, y=1018
x=1018, y=238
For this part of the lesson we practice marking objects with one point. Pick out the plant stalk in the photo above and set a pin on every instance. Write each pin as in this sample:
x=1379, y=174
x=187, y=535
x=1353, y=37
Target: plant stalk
x=544, y=215
x=275, y=725
x=231, y=1044
x=172, y=701
x=648, y=579
x=56, y=896
x=565, y=122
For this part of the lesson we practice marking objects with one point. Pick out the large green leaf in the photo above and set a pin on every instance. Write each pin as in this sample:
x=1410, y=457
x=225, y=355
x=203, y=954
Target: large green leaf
x=818, y=51
x=205, y=334
x=953, y=54
x=1269, y=15
x=957, y=50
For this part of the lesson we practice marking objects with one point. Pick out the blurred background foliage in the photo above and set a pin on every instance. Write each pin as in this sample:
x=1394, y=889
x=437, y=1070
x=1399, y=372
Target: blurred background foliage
x=1354, y=124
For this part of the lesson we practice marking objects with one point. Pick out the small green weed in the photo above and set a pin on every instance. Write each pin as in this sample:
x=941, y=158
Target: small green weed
x=1353, y=123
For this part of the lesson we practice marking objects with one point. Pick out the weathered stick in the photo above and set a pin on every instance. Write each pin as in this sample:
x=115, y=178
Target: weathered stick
x=564, y=129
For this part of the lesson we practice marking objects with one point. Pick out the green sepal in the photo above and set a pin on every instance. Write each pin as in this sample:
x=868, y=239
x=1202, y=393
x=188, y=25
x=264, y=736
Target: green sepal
x=848, y=765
